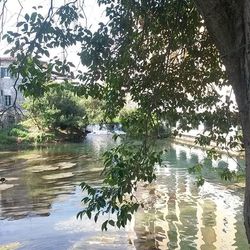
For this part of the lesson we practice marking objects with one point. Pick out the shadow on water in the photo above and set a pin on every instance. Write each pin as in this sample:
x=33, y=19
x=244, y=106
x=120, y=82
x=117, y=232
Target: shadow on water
x=41, y=198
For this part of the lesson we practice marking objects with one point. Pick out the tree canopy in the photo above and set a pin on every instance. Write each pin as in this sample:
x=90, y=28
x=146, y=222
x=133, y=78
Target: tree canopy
x=167, y=54
x=60, y=112
x=171, y=72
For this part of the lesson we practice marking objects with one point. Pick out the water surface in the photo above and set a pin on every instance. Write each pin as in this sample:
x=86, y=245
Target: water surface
x=40, y=200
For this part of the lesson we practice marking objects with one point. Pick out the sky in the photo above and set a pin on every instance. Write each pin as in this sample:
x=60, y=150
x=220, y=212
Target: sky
x=16, y=9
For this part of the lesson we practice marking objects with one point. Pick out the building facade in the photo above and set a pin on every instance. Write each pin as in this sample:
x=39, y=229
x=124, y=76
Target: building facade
x=8, y=94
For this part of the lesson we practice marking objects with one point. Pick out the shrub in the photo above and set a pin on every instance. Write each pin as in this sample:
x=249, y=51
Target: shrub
x=59, y=111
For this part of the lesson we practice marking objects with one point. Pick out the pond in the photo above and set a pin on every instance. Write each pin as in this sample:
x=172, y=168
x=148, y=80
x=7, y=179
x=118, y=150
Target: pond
x=41, y=197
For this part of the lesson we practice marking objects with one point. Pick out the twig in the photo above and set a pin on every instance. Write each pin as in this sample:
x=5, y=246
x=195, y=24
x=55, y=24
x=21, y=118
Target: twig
x=82, y=9
x=2, y=15
x=20, y=11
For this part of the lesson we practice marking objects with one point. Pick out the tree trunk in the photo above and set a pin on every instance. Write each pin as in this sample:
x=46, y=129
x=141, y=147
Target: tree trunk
x=247, y=193
x=228, y=23
x=244, y=111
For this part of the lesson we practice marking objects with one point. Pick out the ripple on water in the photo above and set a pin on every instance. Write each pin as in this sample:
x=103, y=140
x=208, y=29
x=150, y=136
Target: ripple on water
x=66, y=165
x=4, y=186
x=58, y=176
x=177, y=214
x=42, y=168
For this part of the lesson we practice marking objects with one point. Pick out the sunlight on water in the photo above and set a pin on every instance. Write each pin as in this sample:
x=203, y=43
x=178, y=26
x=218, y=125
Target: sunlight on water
x=41, y=198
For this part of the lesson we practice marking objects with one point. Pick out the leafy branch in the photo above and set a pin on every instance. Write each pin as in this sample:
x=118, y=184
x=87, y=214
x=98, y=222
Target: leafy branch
x=124, y=167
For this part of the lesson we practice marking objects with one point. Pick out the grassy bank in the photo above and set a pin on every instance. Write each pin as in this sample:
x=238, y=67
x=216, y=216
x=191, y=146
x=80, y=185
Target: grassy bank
x=23, y=135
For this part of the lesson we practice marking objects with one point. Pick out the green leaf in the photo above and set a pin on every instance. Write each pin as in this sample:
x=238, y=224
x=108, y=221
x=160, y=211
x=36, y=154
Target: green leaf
x=33, y=16
x=20, y=24
x=104, y=226
x=88, y=212
x=27, y=17
x=96, y=217
x=112, y=223
x=46, y=52
x=200, y=181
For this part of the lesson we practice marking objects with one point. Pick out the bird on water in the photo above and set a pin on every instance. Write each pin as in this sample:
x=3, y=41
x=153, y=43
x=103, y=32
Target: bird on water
x=2, y=180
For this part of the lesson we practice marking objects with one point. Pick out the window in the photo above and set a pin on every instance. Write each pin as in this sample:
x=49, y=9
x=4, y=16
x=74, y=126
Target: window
x=7, y=100
x=1, y=92
x=5, y=72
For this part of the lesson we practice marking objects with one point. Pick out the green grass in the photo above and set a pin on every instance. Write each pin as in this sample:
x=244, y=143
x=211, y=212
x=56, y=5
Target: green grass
x=23, y=134
x=5, y=138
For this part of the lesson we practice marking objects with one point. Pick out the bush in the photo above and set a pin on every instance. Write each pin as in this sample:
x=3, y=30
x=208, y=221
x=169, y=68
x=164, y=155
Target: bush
x=44, y=137
x=5, y=138
x=60, y=112
x=14, y=135
x=18, y=131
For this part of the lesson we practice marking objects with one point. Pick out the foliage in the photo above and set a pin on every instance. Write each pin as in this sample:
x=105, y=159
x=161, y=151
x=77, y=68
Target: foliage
x=125, y=166
x=134, y=124
x=22, y=134
x=95, y=110
x=18, y=131
x=157, y=51
x=58, y=111
x=16, y=134
x=36, y=135
x=197, y=170
x=200, y=169
x=5, y=138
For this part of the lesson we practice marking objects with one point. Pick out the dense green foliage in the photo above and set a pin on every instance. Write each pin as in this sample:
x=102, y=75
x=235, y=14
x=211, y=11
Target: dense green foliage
x=124, y=167
x=168, y=72
x=133, y=123
x=157, y=51
x=19, y=135
x=95, y=110
x=23, y=135
x=9, y=138
x=60, y=112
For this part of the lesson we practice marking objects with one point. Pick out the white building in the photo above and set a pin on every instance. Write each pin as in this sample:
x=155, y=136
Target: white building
x=8, y=94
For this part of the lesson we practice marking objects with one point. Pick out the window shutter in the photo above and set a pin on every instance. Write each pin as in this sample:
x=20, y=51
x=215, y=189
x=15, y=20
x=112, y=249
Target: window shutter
x=2, y=72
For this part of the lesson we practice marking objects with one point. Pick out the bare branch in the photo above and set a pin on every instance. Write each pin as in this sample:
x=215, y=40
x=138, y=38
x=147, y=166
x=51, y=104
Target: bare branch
x=20, y=11
x=2, y=16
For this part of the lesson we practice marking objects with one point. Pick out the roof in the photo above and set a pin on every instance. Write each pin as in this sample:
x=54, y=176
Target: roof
x=7, y=59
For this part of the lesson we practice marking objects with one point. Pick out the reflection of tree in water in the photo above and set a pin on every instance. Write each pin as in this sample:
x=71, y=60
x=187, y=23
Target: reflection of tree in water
x=177, y=214
x=37, y=179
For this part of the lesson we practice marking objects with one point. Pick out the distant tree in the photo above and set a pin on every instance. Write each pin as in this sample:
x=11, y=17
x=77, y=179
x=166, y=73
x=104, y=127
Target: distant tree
x=95, y=110
x=59, y=111
x=132, y=121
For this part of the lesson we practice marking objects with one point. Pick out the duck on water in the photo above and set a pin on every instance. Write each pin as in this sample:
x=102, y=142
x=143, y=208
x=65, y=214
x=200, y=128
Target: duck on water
x=2, y=179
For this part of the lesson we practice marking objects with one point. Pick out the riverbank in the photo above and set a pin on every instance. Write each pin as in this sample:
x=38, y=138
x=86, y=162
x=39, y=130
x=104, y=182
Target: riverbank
x=21, y=136
x=190, y=141
x=25, y=135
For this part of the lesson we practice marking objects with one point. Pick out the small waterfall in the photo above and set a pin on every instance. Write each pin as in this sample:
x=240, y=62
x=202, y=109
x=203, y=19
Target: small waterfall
x=105, y=129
